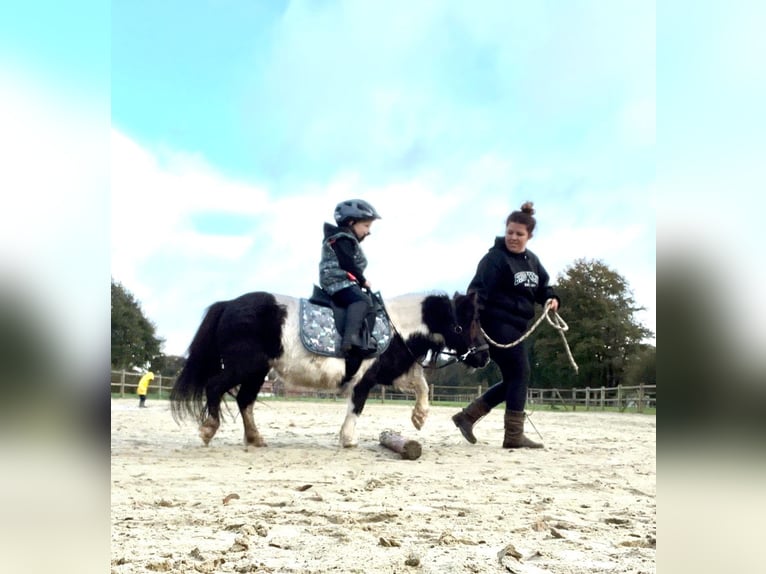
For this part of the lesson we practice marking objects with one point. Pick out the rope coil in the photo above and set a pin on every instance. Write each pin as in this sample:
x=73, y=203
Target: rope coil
x=555, y=321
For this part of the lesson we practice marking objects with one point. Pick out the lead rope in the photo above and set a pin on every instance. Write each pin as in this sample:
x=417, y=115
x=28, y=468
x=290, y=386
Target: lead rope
x=529, y=418
x=556, y=322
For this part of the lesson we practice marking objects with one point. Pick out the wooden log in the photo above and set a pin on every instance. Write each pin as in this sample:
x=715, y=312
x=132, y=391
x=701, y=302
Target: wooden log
x=409, y=449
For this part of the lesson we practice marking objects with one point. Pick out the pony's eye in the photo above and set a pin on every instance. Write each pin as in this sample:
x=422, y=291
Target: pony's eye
x=458, y=329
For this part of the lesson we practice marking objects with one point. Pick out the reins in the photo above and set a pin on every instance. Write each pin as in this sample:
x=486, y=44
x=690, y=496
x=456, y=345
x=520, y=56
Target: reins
x=556, y=322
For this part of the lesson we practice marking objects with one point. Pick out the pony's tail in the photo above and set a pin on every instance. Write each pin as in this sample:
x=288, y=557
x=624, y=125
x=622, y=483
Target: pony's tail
x=188, y=394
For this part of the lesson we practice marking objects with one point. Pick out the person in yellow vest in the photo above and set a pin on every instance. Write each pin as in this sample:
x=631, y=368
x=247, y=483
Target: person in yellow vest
x=143, y=387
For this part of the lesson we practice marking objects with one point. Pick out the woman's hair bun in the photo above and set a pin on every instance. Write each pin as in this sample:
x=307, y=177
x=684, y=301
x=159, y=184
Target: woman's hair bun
x=527, y=208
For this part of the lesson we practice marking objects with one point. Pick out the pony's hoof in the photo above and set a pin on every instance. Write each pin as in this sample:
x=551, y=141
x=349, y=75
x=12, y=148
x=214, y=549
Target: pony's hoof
x=419, y=417
x=206, y=435
x=348, y=441
x=208, y=429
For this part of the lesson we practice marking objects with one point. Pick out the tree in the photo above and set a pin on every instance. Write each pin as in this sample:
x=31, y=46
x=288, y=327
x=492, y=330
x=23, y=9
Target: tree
x=644, y=368
x=604, y=336
x=134, y=343
x=169, y=365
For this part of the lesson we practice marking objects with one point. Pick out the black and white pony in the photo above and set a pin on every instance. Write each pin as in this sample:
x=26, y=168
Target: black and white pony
x=241, y=340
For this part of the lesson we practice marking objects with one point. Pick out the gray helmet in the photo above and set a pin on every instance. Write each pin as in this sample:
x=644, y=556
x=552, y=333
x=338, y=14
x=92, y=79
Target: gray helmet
x=354, y=210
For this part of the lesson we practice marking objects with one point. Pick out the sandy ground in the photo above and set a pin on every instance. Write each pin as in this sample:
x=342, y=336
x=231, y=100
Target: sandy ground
x=585, y=503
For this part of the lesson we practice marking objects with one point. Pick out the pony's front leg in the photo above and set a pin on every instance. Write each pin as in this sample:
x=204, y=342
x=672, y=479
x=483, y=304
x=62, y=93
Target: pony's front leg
x=252, y=436
x=415, y=382
x=420, y=410
x=348, y=436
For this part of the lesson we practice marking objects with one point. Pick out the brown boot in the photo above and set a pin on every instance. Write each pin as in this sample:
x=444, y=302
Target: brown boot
x=469, y=416
x=514, y=432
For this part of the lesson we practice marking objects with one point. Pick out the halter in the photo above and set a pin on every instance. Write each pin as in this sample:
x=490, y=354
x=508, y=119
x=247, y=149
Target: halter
x=458, y=358
x=454, y=357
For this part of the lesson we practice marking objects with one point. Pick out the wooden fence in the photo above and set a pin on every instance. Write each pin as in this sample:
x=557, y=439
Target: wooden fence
x=620, y=398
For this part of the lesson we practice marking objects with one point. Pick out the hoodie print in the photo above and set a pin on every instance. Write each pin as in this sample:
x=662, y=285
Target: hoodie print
x=526, y=279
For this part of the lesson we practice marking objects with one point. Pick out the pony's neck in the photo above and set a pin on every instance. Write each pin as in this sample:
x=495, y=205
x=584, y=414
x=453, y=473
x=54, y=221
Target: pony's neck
x=406, y=313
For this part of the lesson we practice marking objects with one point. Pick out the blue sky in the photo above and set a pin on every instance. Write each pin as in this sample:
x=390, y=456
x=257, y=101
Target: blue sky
x=237, y=126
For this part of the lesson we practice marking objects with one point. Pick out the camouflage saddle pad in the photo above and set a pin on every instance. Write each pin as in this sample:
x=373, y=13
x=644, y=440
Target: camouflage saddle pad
x=319, y=334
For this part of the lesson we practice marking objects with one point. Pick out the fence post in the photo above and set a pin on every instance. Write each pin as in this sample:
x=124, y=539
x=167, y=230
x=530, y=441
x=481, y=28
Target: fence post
x=619, y=398
x=601, y=398
x=431, y=393
x=382, y=394
x=587, y=398
x=122, y=384
x=478, y=391
x=640, y=397
x=574, y=399
x=159, y=382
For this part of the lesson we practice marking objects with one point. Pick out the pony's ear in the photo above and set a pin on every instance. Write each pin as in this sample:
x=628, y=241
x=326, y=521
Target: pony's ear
x=456, y=295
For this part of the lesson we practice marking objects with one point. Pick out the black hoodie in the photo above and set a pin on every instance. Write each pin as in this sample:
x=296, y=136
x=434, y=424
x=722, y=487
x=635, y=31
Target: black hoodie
x=508, y=285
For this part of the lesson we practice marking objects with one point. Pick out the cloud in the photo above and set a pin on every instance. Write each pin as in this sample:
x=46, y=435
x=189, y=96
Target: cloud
x=155, y=198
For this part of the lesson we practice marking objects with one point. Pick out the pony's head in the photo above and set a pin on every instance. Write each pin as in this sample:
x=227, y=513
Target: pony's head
x=457, y=320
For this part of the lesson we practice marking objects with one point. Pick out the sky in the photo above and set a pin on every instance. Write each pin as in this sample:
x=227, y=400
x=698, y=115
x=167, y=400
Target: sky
x=236, y=127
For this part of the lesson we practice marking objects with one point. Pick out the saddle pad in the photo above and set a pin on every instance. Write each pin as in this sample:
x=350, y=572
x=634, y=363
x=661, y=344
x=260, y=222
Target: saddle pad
x=319, y=335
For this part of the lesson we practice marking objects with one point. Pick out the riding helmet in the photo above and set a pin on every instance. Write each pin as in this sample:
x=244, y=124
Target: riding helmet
x=354, y=210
